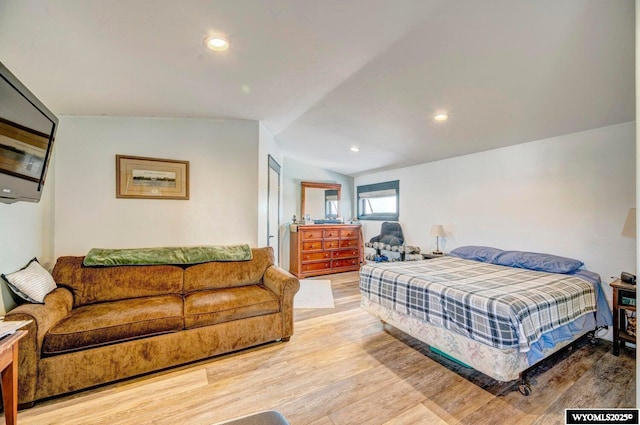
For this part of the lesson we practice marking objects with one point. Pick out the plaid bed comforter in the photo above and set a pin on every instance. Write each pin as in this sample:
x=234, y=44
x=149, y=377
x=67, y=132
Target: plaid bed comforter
x=500, y=306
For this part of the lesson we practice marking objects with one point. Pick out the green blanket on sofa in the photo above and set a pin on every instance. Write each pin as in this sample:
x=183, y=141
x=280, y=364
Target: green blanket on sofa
x=166, y=255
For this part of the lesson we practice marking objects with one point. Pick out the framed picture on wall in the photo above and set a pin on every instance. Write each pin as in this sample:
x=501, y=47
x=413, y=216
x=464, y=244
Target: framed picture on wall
x=151, y=178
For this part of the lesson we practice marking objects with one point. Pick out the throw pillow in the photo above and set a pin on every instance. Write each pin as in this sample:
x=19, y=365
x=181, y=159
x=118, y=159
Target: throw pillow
x=31, y=283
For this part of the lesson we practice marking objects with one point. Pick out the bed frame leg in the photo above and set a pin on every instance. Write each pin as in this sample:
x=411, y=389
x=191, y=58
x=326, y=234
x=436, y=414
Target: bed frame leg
x=524, y=387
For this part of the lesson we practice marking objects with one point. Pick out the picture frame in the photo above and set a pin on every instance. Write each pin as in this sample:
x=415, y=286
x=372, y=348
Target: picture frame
x=140, y=177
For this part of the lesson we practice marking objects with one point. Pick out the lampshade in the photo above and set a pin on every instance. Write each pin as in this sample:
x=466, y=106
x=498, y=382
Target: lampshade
x=629, y=228
x=438, y=230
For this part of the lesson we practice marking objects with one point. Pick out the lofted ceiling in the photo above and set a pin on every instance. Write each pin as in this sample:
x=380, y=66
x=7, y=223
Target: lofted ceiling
x=327, y=75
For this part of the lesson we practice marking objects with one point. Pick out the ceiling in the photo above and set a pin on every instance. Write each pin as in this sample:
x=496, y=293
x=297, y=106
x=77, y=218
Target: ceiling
x=326, y=75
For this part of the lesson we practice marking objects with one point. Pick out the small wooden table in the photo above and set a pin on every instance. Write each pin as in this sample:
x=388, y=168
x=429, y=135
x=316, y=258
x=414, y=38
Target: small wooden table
x=9, y=374
x=624, y=299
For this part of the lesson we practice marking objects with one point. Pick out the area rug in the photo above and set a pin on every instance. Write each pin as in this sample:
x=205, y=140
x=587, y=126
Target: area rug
x=314, y=293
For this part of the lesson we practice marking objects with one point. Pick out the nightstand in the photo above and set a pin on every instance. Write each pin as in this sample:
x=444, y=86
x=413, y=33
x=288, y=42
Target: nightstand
x=624, y=302
x=430, y=255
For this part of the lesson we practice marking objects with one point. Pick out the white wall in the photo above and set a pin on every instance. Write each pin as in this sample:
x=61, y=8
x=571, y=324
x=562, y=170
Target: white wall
x=567, y=195
x=296, y=172
x=223, y=183
x=27, y=232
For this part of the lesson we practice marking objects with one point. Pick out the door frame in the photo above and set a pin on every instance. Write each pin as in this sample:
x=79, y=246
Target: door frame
x=273, y=165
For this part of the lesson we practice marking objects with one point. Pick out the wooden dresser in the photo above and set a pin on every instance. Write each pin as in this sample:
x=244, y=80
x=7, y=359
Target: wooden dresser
x=318, y=249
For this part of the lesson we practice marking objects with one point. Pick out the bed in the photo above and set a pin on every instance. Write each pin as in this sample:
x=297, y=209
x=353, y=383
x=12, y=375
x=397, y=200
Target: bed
x=499, y=312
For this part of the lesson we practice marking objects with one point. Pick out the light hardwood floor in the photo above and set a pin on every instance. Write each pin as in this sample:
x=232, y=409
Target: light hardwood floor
x=343, y=367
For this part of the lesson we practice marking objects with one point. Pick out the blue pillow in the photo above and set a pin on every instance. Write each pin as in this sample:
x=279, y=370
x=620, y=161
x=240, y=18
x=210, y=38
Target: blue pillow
x=485, y=254
x=540, y=262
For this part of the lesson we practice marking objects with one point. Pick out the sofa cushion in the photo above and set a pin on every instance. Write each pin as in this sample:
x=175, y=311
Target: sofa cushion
x=213, y=306
x=91, y=285
x=228, y=274
x=106, y=323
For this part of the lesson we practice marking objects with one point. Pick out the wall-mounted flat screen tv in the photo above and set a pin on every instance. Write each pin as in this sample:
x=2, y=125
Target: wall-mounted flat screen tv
x=27, y=132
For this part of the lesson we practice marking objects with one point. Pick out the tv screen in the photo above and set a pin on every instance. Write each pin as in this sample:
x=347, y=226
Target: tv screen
x=27, y=131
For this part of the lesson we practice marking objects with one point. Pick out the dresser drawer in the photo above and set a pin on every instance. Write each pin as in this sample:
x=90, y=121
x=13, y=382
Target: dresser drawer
x=349, y=243
x=349, y=262
x=311, y=234
x=348, y=234
x=312, y=246
x=313, y=256
x=331, y=234
x=310, y=267
x=346, y=253
x=332, y=244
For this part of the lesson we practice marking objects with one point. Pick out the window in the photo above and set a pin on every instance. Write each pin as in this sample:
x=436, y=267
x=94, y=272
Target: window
x=379, y=201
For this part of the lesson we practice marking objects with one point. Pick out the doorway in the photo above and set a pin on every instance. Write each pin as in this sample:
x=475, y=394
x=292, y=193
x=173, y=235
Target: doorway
x=273, y=208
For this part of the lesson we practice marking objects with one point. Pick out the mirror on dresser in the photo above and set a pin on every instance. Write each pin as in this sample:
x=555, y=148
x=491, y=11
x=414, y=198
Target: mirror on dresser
x=320, y=200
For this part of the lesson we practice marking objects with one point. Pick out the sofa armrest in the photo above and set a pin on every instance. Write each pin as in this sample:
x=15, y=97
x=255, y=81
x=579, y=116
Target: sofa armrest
x=57, y=305
x=285, y=285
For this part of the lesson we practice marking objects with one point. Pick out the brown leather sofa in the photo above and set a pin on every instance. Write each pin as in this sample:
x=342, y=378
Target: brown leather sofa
x=103, y=324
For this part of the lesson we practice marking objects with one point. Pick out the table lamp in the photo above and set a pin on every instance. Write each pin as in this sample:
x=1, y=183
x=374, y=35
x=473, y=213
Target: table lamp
x=438, y=231
x=629, y=229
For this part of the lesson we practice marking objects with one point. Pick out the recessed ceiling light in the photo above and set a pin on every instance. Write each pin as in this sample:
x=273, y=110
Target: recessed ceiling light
x=440, y=117
x=355, y=149
x=217, y=44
